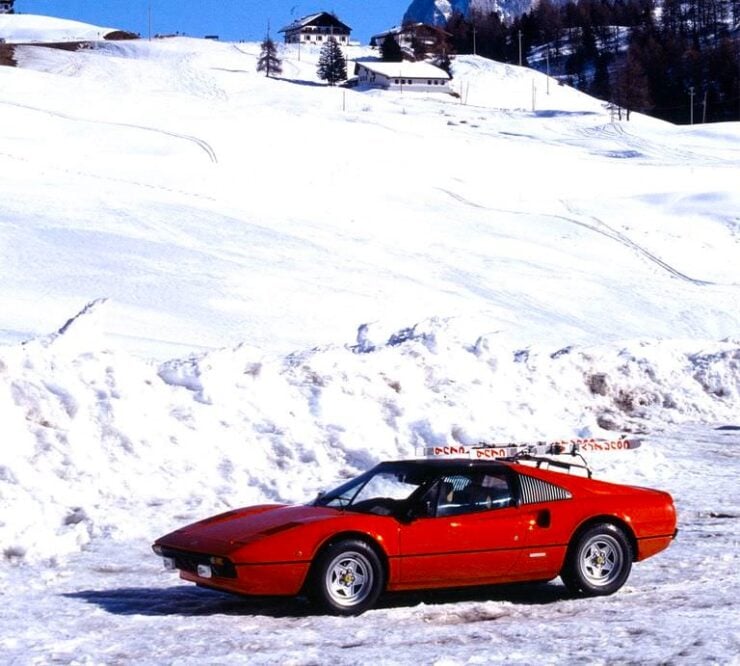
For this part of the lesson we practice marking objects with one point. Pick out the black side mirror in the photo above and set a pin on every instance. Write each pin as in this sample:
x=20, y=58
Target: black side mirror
x=419, y=510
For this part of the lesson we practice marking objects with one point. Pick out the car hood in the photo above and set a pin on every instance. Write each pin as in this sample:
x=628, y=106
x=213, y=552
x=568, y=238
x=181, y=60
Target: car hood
x=245, y=525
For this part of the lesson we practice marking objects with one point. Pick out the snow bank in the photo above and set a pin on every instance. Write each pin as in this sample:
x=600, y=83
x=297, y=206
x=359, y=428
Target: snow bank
x=32, y=28
x=98, y=443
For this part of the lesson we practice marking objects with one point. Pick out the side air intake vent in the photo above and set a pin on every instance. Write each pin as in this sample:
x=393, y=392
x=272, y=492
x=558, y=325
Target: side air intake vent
x=535, y=490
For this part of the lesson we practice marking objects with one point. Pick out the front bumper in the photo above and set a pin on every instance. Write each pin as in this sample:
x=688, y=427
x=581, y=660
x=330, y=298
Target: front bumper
x=254, y=579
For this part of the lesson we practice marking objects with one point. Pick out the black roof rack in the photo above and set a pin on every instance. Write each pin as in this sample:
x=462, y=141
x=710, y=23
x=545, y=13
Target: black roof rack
x=551, y=462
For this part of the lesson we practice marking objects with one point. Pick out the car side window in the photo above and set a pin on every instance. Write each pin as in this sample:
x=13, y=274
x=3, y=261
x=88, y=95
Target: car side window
x=473, y=492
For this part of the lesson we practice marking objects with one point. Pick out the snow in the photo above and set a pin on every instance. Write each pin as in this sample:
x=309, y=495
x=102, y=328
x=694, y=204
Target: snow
x=280, y=284
x=406, y=69
x=16, y=28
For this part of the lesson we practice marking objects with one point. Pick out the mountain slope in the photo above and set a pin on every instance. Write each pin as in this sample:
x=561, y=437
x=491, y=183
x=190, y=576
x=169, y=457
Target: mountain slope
x=436, y=12
x=494, y=210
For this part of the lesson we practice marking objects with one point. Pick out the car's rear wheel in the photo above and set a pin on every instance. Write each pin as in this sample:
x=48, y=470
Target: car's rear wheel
x=598, y=561
x=347, y=578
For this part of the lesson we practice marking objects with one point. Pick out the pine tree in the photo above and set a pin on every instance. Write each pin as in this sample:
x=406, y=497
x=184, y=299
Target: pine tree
x=390, y=51
x=269, y=62
x=332, y=63
x=442, y=52
x=443, y=61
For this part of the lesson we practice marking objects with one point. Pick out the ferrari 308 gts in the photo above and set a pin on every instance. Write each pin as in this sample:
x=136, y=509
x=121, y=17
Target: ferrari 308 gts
x=423, y=524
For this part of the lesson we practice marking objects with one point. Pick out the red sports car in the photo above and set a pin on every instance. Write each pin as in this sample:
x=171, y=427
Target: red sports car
x=421, y=524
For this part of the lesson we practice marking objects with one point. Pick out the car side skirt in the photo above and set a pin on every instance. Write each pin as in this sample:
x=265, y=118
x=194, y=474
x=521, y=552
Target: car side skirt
x=532, y=563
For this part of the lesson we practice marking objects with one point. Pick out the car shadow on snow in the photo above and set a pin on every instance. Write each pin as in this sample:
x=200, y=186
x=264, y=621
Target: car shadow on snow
x=187, y=600
x=530, y=594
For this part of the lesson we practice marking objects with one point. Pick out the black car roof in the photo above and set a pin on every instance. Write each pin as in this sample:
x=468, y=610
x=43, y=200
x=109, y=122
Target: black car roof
x=447, y=463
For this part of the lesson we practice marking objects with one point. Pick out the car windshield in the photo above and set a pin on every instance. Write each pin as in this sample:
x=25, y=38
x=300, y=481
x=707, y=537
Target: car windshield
x=382, y=490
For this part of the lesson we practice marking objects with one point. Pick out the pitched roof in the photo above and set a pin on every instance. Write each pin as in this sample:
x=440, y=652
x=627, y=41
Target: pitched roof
x=406, y=28
x=405, y=69
x=313, y=18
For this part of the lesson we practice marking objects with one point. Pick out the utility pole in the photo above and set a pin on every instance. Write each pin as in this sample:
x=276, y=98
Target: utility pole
x=520, y=48
x=150, y=21
x=691, y=110
x=475, y=52
x=704, y=110
x=547, y=57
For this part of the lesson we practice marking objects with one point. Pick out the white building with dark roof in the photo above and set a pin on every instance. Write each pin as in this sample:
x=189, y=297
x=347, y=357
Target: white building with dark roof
x=316, y=29
x=411, y=76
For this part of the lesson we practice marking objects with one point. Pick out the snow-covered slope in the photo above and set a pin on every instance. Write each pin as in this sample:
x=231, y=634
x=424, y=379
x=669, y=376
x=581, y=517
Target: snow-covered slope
x=20, y=28
x=437, y=12
x=285, y=214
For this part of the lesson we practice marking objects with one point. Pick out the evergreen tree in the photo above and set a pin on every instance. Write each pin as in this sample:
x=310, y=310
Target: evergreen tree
x=443, y=61
x=460, y=30
x=441, y=52
x=332, y=63
x=269, y=62
x=390, y=51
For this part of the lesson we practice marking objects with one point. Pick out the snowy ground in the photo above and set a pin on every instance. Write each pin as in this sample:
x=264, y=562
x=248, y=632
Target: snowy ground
x=114, y=603
x=216, y=207
x=302, y=281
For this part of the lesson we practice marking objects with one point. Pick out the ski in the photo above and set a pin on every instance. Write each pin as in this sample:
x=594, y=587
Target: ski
x=494, y=450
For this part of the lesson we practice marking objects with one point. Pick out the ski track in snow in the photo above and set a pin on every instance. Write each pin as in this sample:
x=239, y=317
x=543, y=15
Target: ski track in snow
x=201, y=143
x=643, y=147
x=111, y=179
x=602, y=228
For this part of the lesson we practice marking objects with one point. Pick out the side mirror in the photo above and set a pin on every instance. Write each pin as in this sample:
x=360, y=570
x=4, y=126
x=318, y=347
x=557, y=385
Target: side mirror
x=419, y=510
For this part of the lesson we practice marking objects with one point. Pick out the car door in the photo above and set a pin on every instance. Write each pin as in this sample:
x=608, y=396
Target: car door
x=472, y=536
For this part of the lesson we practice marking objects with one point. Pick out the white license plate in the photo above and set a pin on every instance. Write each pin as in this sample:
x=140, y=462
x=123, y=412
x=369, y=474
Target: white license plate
x=169, y=563
x=204, y=571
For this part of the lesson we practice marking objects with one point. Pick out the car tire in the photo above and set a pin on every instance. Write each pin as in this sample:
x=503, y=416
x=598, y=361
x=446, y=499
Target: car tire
x=347, y=578
x=598, y=562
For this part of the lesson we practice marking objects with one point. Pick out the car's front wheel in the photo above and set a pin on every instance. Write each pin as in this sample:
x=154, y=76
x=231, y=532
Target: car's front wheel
x=347, y=578
x=598, y=562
